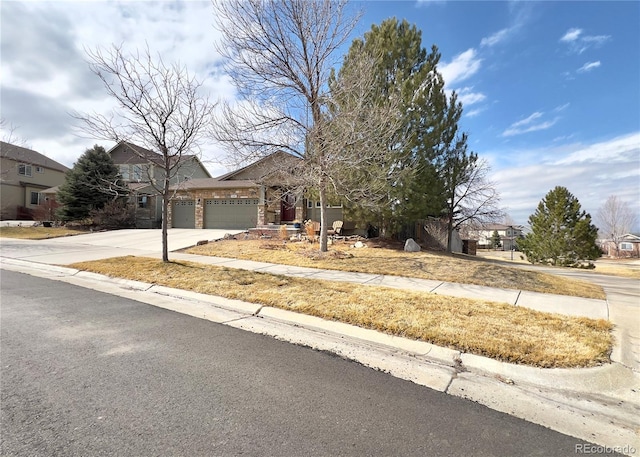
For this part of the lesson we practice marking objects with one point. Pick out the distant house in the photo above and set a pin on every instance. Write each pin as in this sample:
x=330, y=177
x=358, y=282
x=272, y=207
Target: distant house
x=140, y=168
x=24, y=174
x=628, y=246
x=509, y=235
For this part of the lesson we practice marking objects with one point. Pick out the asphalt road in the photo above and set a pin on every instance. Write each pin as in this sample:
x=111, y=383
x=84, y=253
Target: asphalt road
x=86, y=373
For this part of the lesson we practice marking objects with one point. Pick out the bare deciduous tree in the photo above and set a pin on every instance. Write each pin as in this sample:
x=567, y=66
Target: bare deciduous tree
x=159, y=108
x=9, y=135
x=472, y=197
x=280, y=55
x=615, y=219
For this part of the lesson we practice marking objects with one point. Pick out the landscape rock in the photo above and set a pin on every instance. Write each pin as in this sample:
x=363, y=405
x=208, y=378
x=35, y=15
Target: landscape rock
x=358, y=245
x=411, y=246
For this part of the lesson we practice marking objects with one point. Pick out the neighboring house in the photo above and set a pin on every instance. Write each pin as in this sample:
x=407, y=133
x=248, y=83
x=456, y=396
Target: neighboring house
x=140, y=168
x=252, y=196
x=509, y=235
x=24, y=174
x=628, y=246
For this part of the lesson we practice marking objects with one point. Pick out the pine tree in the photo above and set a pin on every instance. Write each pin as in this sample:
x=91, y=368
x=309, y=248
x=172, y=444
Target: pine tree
x=561, y=233
x=406, y=70
x=495, y=240
x=93, y=181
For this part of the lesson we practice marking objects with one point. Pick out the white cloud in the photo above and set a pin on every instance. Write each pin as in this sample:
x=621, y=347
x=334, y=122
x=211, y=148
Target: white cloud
x=475, y=112
x=39, y=91
x=588, y=66
x=624, y=149
x=462, y=67
x=529, y=125
x=592, y=172
x=571, y=35
x=579, y=43
x=557, y=109
x=496, y=38
x=467, y=97
x=527, y=120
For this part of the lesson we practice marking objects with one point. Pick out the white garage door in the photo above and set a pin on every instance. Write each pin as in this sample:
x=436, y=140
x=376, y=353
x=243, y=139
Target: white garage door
x=232, y=213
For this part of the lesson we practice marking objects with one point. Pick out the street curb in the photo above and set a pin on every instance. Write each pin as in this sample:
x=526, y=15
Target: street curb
x=414, y=348
x=599, y=404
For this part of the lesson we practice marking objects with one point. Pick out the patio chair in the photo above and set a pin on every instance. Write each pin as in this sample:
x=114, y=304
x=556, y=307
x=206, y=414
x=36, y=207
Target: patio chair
x=336, y=229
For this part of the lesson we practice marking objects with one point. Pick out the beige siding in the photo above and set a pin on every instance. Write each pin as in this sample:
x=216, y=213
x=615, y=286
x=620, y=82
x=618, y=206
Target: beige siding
x=16, y=189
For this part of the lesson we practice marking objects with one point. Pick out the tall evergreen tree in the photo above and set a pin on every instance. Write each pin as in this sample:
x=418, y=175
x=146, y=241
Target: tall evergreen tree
x=93, y=181
x=406, y=70
x=561, y=232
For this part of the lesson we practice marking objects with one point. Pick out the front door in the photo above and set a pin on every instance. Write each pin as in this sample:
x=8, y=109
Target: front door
x=287, y=208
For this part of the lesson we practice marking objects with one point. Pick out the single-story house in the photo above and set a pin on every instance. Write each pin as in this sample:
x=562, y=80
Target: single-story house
x=253, y=196
x=628, y=246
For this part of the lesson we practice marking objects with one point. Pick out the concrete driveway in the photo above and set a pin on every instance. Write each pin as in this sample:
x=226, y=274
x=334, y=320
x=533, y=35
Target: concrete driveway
x=102, y=245
x=146, y=239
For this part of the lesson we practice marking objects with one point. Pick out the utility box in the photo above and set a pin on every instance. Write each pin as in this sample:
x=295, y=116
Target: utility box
x=469, y=247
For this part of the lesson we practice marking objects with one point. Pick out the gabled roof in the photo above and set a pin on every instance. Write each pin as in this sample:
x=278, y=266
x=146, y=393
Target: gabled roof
x=29, y=156
x=50, y=190
x=264, y=162
x=145, y=155
x=214, y=183
x=501, y=227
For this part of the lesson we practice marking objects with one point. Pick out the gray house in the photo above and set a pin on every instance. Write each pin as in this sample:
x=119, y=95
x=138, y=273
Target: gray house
x=141, y=168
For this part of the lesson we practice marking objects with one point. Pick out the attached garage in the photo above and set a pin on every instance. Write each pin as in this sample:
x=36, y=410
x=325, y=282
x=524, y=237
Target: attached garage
x=231, y=213
x=183, y=214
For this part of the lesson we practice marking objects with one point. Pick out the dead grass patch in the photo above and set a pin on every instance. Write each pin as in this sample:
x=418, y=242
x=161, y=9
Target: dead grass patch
x=389, y=261
x=37, y=233
x=623, y=270
x=501, y=331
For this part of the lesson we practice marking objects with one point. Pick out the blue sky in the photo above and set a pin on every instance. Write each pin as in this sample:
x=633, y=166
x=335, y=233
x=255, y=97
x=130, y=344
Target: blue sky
x=551, y=90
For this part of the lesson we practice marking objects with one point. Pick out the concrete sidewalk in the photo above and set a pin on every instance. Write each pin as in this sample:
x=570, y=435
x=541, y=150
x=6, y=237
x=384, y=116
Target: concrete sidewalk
x=68, y=250
x=600, y=405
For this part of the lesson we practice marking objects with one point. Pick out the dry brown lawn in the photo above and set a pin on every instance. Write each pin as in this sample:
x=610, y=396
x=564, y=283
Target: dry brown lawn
x=37, y=233
x=501, y=331
x=624, y=270
x=393, y=261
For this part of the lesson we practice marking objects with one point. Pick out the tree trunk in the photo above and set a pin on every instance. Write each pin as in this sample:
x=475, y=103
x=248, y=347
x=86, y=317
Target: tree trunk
x=449, y=233
x=165, y=225
x=323, y=220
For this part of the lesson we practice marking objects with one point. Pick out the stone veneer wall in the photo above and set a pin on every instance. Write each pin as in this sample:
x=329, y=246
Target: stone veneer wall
x=268, y=210
x=200, y=195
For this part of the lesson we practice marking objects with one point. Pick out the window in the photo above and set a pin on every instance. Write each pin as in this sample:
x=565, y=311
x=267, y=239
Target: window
x=626, y=246
x=124, y=172
x=137, y=173
x=39, y=170
x=24, y=169
x=142, y=201
x=329, y=205
x=35, y=197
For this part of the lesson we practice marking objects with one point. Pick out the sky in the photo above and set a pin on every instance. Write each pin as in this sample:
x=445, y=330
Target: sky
x=550, y=89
